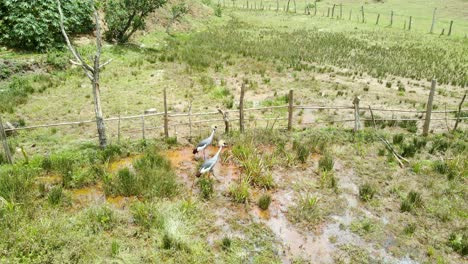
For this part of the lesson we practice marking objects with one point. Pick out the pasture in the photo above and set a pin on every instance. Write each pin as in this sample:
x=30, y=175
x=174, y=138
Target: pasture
x=320, y=193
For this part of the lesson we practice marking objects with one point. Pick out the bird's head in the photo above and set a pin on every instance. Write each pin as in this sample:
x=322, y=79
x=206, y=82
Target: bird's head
x=222, y=143
x=214, y=128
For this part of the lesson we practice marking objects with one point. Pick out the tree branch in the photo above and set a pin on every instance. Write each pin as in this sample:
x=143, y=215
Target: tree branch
x=75, y=53
x=105, y=63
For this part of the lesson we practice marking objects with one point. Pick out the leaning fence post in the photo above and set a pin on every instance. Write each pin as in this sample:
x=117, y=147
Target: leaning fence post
x=410, y=22
x=450, y=28
x=433, y=21
x=341, y=11
x=357, y=124
x=315, y=8
x=5, y=142
x=166, y=120
x=427, y=121
x=143, y=127
x=459, y=113
x=333, y=11
x=241, y=108
x=378, y=17
x=290, y=109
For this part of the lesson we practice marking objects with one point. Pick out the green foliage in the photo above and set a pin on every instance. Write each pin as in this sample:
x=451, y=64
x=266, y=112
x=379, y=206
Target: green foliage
x=440, y=167
x=16, y=93
x=218, y=11
x=147, y=215
x=410, y=229
x=458, y=241
x=226, y=243
x=253, y=164
x=153, y=176
x=326, y=162
x=264, y=201
x=125, y=17
x=398, y=139
x=302, y=150
x=34, y=25
x=366, y=192
x=17, y=182
x=239, y=191
x=307, y=210
x=413, y=200
x=56, y=195
x=206, y=187
x=101, y=218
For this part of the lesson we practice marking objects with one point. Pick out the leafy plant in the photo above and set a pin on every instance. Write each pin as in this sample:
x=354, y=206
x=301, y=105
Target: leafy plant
x=125, y=17
x=56, y=195
x=206, y=187
x=239, y=191
x=326, y=162
x=34, y=25
x=413, y=200
x=366, y=192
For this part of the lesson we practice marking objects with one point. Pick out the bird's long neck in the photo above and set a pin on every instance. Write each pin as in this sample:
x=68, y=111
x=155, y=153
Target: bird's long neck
x=212, y=134
x=219, y=151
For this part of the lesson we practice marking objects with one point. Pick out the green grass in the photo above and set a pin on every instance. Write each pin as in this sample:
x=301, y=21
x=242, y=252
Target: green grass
x=264, y=201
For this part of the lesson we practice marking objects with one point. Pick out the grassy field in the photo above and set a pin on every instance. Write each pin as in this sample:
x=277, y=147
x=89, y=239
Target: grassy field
x=318, y=194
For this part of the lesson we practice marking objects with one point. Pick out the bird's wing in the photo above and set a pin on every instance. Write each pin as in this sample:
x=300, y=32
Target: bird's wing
x=209, y=163
x=203, y=143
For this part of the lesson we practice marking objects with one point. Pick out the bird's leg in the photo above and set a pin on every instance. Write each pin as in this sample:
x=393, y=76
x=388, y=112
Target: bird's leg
x=214, y=176
x=204, y=156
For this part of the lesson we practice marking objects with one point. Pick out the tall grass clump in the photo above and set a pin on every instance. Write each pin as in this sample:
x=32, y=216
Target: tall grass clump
x=100, y=218
x=264, y=201
x=413, y=200
x=17, y=183
x=206, y=187
x=326, y=162
x=302, y=150
x=458, y=241
x=56, y=195
x=254, y=166
x=153, y=177
x=366, y=192
x=306, y=210
x=239, y=191
x=147, y=215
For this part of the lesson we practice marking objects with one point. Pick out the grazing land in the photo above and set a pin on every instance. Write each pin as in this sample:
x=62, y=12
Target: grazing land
x=318, y=193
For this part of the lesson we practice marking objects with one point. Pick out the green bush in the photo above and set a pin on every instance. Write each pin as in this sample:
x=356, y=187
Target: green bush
x=239, y=191
x=459, y=242
x=226, y=243
x=218, y=11
x=413, y=200
x=17, y=183
x=56, y=195
x=302, y=150
x=398, y=139
x=125, y=17
x=264, y=201
x=34, y=25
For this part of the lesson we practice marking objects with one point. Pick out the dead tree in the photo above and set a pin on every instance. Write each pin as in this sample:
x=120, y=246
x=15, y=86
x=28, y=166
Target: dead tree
x=92, y=72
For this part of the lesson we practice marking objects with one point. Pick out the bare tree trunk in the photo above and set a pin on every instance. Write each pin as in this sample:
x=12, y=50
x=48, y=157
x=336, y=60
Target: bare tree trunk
x=91, y=72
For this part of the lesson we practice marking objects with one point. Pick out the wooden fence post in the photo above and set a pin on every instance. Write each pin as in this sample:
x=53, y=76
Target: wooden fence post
x=357, y=124
x=378, y=17
x=241, y=108
x=5, y=142
x=333, y=11
x=459, y=113
x=328, y=12
x=290, y=109
x=362, y=11
x=277, y=5
x=143, y=127
x=433, y=21
x=391, y=19
x=427, y=121
x=166, y=120
x=410, y=22
x=350, y=12
x=118, y=130
x=450, y=28
x=341, y=11
x=225, y=115
x=315, y=8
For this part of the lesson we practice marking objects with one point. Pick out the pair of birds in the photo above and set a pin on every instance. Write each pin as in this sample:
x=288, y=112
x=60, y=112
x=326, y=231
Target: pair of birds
x=209, y=164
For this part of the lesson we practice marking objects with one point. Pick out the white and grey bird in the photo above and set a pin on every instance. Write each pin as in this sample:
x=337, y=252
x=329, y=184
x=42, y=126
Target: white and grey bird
x=204, y=143
x=209, y=164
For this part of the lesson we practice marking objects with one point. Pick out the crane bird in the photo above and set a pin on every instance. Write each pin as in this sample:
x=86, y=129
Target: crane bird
x=204, y=143
x=209, y=164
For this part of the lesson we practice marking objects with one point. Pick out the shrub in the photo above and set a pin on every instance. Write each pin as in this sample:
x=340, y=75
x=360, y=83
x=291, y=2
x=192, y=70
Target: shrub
x=409, y=125
x=307, y=210
x=34, y=25
x=218, y=11
x=409, y=150
x=410, y=229
x=16, y=183
x=264, y=201
x=125, y=17
x=366, y=192
x=326, y=162
x=206, y=187
x=440, y=167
